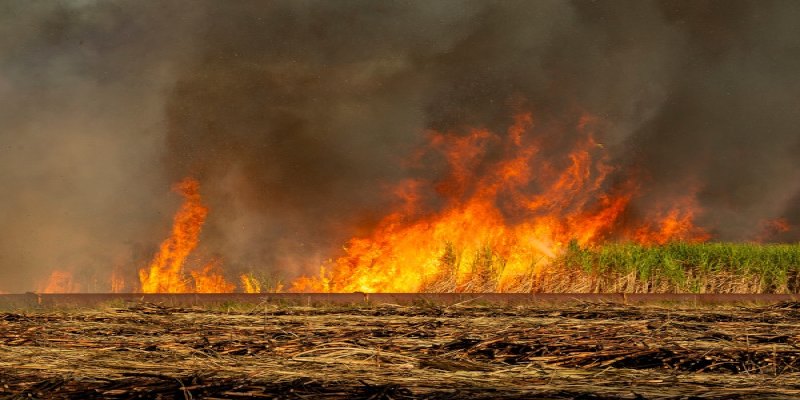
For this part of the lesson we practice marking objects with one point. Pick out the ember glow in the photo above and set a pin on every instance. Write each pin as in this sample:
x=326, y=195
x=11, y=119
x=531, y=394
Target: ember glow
x=514, y=213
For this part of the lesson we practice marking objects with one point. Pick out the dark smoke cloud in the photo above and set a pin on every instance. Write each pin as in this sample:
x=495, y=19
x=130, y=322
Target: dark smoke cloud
x=295, y=115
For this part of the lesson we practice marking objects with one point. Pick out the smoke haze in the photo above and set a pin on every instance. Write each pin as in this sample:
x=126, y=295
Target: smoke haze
x=297, y=115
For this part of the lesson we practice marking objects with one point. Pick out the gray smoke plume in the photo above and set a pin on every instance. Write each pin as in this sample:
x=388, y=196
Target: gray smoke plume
x=82, y=93
x=297, y=115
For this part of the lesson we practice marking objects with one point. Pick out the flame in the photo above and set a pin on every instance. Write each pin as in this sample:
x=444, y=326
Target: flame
x=165, y=273
x=779, y=225
x=117, y=282
x=771, y=228
x=665, y=224
x=250, y=284
x=211, y=280
x=60, y=281
x=500, y=220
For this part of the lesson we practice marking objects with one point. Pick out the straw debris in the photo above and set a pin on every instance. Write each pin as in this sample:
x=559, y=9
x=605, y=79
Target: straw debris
x=583, y=350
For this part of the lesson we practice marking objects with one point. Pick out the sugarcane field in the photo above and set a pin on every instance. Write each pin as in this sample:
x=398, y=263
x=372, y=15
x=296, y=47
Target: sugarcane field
x=400, y=199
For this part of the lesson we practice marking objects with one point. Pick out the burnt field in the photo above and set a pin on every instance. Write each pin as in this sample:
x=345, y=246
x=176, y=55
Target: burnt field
x=583, y=350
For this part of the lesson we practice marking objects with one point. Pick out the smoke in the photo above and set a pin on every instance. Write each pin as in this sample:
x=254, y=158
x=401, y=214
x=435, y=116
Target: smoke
x=297, y=115
x=82, y=92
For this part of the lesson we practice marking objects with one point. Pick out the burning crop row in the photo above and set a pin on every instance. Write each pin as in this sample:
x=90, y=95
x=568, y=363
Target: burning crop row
x=675, y=267
x=514, y=212
x=505, y=215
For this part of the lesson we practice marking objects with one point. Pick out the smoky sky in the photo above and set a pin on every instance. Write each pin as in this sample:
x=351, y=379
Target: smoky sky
x=296, y=116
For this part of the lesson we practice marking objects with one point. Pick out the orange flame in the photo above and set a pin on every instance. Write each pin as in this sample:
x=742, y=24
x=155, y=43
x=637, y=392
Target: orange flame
x=117, y=282
x=779, y=225
x=499, y=219
x=210, y=279
x=165, y=273
x=674, y=224
x=60, y=281
x=250, y=284
x=771, y=228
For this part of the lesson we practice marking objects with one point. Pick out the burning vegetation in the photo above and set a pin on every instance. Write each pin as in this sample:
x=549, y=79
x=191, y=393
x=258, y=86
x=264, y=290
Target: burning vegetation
x=468, y=148
x=505, y=216
x=398, y=146
x=166, y=272
x=502, y=219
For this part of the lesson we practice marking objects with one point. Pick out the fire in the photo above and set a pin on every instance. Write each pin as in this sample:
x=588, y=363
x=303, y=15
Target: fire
x=779, y=225
x=674, y=224
x=503, y=209
x=117, y=282
x=500, y=219
x=771, y=228
x=60, y=281
x=211, y=280
x=166, y=274
x=250, y=284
